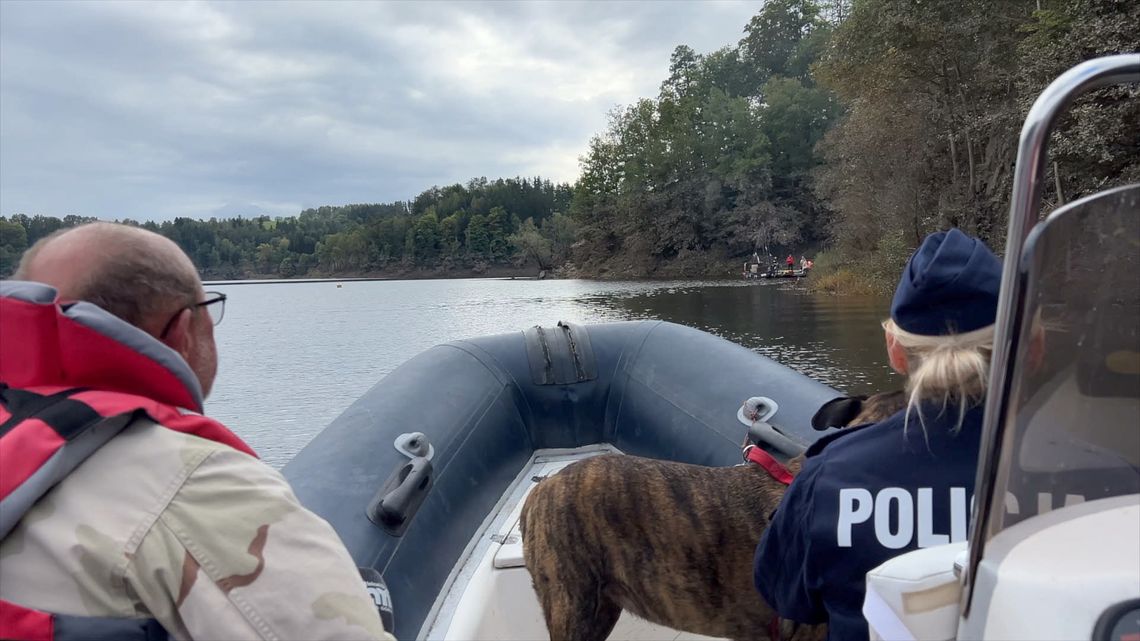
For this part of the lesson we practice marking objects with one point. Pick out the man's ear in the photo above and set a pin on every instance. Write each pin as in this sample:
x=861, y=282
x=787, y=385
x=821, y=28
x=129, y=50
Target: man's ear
x=179, y=338
x=897, y=355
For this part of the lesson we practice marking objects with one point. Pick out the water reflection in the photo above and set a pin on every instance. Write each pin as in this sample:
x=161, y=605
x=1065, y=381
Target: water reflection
x=835, y=340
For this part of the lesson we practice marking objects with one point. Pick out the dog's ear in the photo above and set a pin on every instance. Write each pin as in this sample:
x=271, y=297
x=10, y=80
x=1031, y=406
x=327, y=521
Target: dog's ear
x=838, y=412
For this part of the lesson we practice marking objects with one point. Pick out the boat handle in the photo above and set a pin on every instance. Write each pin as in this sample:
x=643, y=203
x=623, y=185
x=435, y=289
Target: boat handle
x=401, y=496
x=766, y=433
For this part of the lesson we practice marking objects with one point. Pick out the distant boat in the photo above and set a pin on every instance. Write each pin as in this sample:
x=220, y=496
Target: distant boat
x=338, y=285
x=785, y=273
x=755, y=269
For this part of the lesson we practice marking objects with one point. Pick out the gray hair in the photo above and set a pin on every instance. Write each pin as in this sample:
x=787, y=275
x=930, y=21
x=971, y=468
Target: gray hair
x=135, y=277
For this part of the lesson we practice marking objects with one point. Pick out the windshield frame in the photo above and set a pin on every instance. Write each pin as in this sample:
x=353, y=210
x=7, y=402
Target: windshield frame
x=1025, y=207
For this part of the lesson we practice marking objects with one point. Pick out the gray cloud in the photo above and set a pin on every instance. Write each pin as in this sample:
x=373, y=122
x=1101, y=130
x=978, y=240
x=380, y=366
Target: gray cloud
x=156, y=110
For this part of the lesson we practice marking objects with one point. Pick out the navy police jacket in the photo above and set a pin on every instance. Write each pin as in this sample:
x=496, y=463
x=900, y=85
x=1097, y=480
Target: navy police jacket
x=866, y=494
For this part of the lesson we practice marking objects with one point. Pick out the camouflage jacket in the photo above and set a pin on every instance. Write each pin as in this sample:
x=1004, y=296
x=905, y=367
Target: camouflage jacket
x=207, y=540
x=158, y=523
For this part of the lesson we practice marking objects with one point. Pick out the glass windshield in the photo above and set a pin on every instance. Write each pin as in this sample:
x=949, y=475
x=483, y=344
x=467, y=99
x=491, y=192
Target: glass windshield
x=1073, y=423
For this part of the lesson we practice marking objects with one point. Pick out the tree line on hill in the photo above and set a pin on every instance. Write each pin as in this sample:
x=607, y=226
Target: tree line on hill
x=472, y=226
x=857, y=126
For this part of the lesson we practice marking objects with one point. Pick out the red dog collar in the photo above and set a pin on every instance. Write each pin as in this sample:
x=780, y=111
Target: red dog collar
x=771, y=466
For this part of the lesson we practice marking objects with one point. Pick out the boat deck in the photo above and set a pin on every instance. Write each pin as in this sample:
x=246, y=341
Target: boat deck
x=489, y=594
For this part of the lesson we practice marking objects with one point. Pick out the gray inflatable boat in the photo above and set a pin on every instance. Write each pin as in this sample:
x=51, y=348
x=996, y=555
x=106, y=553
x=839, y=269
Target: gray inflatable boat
x=424, y=475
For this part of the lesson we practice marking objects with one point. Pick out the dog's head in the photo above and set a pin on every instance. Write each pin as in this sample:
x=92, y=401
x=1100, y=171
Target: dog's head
x=838, y=412
x=848, y=411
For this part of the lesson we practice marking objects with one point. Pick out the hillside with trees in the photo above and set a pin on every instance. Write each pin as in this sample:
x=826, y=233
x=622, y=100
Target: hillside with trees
x=460, y=228
x=854, y=127
x=719, y=164
x=934, y=96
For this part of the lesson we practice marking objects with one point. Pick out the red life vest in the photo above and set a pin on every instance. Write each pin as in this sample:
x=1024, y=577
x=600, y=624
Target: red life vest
x=40, y=430
x=71, y=378
x=44, y=435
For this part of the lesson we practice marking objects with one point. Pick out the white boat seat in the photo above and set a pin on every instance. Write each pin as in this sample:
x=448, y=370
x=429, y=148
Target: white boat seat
x=915, y=595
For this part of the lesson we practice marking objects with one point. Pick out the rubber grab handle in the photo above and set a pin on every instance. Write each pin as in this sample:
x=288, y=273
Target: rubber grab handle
x=763, y=433
x=401, y=496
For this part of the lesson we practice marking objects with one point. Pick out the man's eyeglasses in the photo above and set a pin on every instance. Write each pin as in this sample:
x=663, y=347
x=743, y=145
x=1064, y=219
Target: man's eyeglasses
x=215, y=305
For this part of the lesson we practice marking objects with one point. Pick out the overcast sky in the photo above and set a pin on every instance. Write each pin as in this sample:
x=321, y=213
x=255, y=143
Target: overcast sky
x=157, y=110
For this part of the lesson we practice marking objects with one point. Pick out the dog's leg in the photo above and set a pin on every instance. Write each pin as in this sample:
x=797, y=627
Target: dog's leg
x=606, y=614
x=573, y=616
x=572, y=602
x=562, y=568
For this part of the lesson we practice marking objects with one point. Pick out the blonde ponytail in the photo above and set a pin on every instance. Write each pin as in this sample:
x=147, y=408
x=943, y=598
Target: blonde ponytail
x=945, y=369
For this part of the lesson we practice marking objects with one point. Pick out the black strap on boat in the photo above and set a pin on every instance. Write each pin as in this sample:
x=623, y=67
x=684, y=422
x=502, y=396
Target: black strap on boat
x=560, y=355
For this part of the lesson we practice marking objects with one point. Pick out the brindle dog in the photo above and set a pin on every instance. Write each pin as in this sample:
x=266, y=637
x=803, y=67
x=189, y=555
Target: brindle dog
x=670, y=542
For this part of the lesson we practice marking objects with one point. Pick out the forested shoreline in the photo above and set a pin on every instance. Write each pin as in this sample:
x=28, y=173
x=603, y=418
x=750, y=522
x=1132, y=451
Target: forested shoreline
x=483, y=227
x=853, y=127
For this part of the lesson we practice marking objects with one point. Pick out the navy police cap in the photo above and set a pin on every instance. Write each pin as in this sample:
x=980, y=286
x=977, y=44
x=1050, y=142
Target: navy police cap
x=950, y=285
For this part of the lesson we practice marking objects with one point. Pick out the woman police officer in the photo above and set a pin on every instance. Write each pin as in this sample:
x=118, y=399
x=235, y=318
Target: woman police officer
x=872, y=492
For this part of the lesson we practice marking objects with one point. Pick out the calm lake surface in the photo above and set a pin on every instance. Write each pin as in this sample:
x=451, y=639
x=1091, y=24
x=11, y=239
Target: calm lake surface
x=294, y=356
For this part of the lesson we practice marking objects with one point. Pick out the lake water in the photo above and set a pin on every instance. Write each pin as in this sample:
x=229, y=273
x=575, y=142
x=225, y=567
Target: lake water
x=294, y=356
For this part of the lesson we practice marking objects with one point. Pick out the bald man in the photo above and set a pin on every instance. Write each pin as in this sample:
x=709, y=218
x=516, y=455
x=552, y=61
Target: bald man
x=125, y=513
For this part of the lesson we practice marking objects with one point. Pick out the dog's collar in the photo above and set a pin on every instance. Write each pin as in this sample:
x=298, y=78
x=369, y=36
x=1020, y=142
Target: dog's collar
x=765, y=460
